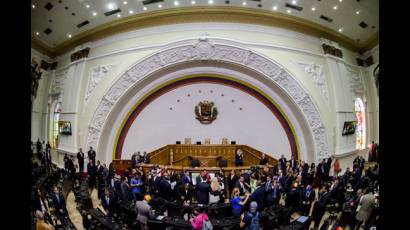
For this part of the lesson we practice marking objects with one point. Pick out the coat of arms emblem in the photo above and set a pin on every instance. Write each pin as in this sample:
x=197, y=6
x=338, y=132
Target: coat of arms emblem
x=206, y=112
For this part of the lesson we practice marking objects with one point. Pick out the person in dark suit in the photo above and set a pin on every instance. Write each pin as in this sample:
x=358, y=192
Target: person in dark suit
x=273, y=193
x=239, y=158
x=59, y=201
x=91, y=154
x=198, y=179
x=293, y=198
x=203, y=191
x=263, y=161
x=259, y=196
x=80, y=158
x=164, y=187
x=282, y=164
x=186, y=178
x=185, y=193
x=320, y=206
x=232, y=179
x=92, y=171
x=308, y=196
x=242, y=185
x=108, y=203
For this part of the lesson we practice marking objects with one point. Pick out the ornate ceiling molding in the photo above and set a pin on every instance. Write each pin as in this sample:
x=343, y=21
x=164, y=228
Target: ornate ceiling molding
x=205, y=14
x=203, y=50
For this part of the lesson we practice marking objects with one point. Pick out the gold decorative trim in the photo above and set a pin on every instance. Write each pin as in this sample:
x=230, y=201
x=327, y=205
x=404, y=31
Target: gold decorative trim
x=206, y=14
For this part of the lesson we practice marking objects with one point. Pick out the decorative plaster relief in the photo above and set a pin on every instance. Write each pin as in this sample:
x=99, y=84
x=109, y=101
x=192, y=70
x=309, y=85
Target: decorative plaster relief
x=58, y=83
x=315, y=72
x=356, y=83
x=97, y=74
x=204, y=50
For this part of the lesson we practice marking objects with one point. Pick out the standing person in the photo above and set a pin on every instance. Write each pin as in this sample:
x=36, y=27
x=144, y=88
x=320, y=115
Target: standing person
x=38, y=145
x=59, y=201
x=237, y=202
x=143, y=211
x=366, y=204
x=136, y=185
x=232, y=179
x=92, y=171
x=251, y=219
x=41, y=224
x=239, y=158
x=108, y=203
x=203, y=191
x=91, y=154
x=320, y=206
x=336, y=168
x=198, y=220
x=214, y=191
x=80, y=158
x=308, y=196
x=372, y=151
x=48, y=147
x=66, y=162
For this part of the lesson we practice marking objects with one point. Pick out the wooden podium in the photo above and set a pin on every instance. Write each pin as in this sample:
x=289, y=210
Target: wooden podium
x=209, y=156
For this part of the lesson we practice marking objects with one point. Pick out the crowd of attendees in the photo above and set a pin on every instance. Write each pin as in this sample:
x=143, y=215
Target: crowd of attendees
x=307, y=190
x=293, y=184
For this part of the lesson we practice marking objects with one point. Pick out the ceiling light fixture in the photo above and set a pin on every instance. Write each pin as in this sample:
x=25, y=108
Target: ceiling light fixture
x=335, y=7
x=69, y=35
x=211, y=1
x=37, y=33
x=159, y=6
x=125, y=2
x=110, y=6
x=358, y=12
x=340, y=0
x=87, y=6
x=244, y=3
x=145, y=8
x=288, y=11
x=340, y=30
x=313, y=8
x=193, y=2
x=33, y=6
x=131, y=11
x=275, y=8
x=294, y=2
x=176, y=3
x=118, y=15
x=94, y=13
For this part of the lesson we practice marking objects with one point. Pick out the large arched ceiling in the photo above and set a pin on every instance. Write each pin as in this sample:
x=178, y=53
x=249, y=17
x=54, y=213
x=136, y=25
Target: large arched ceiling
x=62, y=17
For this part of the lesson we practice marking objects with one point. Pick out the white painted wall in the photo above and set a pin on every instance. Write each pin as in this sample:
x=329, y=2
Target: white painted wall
x=280, y=45
x=255, y=125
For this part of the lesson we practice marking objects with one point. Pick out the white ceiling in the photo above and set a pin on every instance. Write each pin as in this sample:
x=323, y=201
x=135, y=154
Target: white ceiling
x=64, y=23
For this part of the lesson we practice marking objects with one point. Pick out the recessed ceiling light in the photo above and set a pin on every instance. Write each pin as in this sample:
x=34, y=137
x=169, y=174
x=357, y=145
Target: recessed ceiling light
x=275, y=8
x=211, y=1
x=335, y=7
x=125, y=2
x=244, y=3
x=33, y=6
x=110, y=6
x=118, y=15
x=159, y=6
x=288, y=11
x=340, y=30
x=37, y=33
x=340, y=0
x=131, y=11
x=358, y=12
x=176, y=3
x=294, y=2
x=193, y=2
x=145, y=8
x=94, y=13
x=87, y=6
x=313, y=8
x=69, y=35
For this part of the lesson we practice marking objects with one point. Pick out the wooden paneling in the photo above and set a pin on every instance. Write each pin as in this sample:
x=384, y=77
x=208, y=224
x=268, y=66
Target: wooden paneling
x=208, y=155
